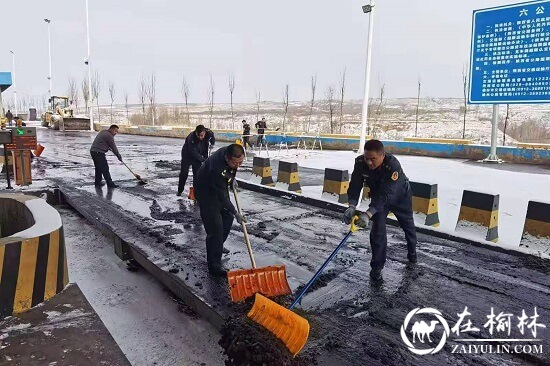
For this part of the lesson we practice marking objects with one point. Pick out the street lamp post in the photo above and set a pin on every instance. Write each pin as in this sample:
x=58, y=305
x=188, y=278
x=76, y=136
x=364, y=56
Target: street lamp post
x=367, y=9
x=48, y=21
x=14, y=85
x=87, y=62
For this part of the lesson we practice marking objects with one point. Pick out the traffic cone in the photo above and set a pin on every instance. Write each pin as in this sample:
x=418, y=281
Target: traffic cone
x=192, y=194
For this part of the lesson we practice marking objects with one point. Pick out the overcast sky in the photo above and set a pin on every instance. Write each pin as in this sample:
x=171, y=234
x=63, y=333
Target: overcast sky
x=265, y=44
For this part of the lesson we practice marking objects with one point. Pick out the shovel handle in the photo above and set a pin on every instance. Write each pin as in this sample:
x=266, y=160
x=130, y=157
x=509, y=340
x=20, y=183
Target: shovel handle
x=318, y=273
x=243, y=224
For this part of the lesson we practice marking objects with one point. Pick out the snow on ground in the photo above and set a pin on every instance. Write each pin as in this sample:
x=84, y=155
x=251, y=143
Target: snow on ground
x=452, y=176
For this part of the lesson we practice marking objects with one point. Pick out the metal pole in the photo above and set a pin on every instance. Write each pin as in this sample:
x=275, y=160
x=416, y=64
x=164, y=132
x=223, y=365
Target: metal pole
x=90, y=110
x=364, y=114
x=49, y=56
x=493, y=158
x=7, y=166
x=14, y=85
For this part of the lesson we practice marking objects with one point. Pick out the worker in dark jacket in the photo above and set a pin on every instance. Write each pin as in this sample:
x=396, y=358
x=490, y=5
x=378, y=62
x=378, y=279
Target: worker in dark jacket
x=103, y=142
x=261, y=126
x=390, y=191
x=246, y=134
x=213, y=181
x=9, y=116
x=192, y=155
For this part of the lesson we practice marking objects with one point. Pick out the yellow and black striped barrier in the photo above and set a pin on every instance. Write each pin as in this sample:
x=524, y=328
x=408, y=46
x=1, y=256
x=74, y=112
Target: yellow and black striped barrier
x=536, y=230
x=261, y=171
x=288, y=177
x=33, y=262
x=424, y=203
x=336, y=184
x=479, y=209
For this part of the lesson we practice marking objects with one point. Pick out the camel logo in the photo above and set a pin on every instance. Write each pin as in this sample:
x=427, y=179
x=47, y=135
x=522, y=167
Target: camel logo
x=422, y=331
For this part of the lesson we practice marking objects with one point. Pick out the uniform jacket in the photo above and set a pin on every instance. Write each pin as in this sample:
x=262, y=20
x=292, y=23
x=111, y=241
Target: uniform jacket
x=246, y=129
x=209, y=140
x=193, y=147
x=261, y=126
x=213, y=181
x=388, y=184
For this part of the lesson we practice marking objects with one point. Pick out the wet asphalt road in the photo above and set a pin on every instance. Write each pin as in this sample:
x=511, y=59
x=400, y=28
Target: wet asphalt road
x=353, y=320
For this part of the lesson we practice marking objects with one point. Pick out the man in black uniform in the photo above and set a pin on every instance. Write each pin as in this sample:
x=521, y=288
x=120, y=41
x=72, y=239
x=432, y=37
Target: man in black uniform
x=261, y=126
x=212, y=184
x=390, y=191
x=192, y=155
x=246, y=134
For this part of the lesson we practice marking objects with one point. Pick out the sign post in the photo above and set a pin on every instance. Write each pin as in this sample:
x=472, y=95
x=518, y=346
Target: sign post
x=510, y=58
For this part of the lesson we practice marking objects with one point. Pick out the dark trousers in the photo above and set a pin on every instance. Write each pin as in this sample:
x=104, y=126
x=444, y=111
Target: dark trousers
x=378, y=239
x=246, y=142
x=261, y=140
x=101, y=168
x=184, y=173
x=217, y=224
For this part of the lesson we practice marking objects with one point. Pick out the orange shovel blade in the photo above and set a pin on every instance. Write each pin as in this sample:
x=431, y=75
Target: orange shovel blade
x=288, y=326
x=270, y=281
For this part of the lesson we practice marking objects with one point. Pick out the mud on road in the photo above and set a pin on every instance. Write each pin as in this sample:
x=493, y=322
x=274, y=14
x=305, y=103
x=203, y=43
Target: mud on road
x=353, y=321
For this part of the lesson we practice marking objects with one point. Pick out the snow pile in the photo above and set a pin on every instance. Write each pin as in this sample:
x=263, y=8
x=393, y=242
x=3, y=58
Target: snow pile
x=535, y=244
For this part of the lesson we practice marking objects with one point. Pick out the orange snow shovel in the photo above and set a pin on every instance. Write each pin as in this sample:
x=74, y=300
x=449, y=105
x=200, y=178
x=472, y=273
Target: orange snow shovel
x=288, y=326
x=243, y=283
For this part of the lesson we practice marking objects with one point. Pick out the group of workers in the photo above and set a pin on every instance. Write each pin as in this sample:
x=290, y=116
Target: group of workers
x=214, y=176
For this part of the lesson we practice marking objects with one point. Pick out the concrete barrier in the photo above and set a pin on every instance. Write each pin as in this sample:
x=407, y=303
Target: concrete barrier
x=335, y=185
x=261, y=171
x=288, y=177
x=424, y=203
x=437, y=140
x=445, y=148
x=33, y=262
x=536, y=230
x=479, y=215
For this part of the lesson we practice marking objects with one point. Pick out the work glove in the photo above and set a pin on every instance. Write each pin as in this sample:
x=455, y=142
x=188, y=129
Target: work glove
x=348, y=214
x=364, y=221
x=240, y=218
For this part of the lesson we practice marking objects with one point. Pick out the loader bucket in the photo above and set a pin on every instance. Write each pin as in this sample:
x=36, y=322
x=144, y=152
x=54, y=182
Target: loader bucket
x=269, y=281
x=286, y=325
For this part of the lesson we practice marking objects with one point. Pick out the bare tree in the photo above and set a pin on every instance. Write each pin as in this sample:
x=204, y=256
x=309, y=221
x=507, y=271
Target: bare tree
x=331, y=106
x=313, y=88
x=112, y=95
x=185, y=92
x=126, y=105
x=342, y=91
x=285, y=104
x=465, y=90
x=151, y=93
x=231, y=89
x=72, y=91
x=506, y=120
x=142, y=92
x=417, y=108
x=379, y=109
x=96, y=89
x=211, y=99
x=258, y=101
x=86, y=92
